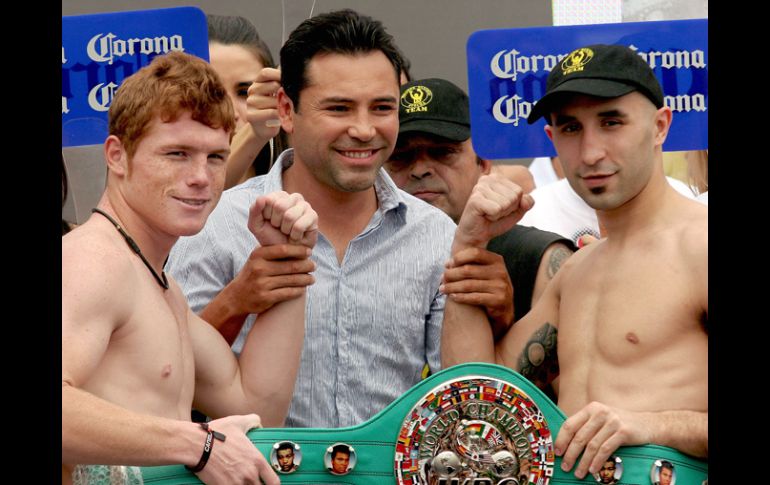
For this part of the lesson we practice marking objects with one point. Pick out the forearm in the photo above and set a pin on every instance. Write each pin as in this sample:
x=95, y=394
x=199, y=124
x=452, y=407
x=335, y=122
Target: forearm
x=244, y=148
x=223, y=314
x=466, y=335
x=95, y=431
x=686, y=431
x=270, y=360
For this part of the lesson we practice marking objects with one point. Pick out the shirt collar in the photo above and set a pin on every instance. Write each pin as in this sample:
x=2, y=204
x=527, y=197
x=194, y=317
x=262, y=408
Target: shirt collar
x=389, y=196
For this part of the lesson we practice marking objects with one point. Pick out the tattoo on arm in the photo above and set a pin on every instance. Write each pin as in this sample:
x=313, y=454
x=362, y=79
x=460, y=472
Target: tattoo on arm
x=558, y=256
x=538, y=361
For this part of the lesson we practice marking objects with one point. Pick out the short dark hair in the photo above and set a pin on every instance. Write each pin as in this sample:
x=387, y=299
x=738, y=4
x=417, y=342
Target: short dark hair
x=338, y=32
x=237, y=30
x=285, y=446
x=406, y=67
x=340, y=449
x=666, y=464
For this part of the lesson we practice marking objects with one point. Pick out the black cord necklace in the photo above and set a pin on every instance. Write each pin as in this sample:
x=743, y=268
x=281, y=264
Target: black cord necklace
x=162, y=282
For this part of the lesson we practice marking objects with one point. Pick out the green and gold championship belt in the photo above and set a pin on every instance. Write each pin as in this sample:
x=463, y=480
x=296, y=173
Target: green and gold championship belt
x=471, y=424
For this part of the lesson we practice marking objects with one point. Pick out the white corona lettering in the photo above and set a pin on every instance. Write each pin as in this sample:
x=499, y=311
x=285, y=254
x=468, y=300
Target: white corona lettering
x=507, y=71
x=668, y=60
x=686, y=103
x=513, y=64
x=64, y=108
x=63, y=58
x=107, y=47
x=508, y=64
x=100, y=97
x=509, y=109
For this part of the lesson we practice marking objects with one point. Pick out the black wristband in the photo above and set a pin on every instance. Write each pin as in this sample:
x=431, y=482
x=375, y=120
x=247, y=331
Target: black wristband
x=208, y=445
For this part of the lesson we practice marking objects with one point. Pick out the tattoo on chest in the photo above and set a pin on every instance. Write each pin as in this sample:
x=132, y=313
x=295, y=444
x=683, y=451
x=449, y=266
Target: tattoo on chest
x=538, y=361
x=558, y=256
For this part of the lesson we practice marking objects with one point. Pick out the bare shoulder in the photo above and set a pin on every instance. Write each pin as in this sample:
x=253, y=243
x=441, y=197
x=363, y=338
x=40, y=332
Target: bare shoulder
x=692, y=231
x=582, y=255
x=98, y=277
x=690, y=238
x=571, y=265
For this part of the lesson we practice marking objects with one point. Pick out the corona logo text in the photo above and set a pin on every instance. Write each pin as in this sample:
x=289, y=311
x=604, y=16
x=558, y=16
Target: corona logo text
x=668, y=60
x=509, y=109
x=107, y=47
x=509, y=64
x=100, y=97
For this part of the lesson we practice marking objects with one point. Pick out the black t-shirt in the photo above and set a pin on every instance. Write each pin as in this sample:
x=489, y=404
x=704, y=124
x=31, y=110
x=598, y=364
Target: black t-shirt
x=522, y=248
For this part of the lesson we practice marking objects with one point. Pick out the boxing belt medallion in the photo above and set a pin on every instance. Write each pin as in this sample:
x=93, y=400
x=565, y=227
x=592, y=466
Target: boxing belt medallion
x=471, y=424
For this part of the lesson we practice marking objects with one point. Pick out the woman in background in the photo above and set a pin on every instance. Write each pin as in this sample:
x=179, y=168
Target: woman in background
x=241, y=57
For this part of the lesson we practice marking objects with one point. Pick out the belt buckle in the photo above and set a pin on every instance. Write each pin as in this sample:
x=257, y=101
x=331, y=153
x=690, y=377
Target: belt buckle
x=474, y=430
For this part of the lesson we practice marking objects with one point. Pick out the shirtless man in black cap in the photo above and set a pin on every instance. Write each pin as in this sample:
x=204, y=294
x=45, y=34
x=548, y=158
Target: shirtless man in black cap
x=631, y=310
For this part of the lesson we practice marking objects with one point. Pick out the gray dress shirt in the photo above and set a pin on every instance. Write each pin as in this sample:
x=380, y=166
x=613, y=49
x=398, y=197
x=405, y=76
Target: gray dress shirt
x=371, y=323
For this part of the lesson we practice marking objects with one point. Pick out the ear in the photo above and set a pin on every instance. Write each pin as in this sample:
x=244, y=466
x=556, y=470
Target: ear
x=285, y=111
x=663, y=118
x=548, y=131
x=116, y=156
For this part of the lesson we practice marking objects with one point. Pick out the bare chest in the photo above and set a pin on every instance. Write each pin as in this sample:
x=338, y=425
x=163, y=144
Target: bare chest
x=149, y=364
x=626, y=308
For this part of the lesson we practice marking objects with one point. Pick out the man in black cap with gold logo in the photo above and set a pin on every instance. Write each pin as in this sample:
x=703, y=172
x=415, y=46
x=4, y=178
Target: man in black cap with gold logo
x=434, y=160
x=631, y=310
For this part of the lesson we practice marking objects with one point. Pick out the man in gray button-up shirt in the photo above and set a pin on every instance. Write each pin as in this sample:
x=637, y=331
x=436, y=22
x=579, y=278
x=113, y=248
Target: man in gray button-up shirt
x=374, y=314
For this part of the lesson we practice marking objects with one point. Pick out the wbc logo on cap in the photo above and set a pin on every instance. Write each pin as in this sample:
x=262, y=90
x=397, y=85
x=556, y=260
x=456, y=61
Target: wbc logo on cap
x=416, y=99
x=576, y=60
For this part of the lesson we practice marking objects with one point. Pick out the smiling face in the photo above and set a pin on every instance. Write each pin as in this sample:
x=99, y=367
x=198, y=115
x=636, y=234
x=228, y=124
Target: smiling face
x=437, y=170
x=237, y=67
x=176, y=175
x=346, y=123
x=608, y=148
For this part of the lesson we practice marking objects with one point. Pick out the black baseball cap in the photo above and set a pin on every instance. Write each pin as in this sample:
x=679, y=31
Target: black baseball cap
x=605, y=71
x=434, y=106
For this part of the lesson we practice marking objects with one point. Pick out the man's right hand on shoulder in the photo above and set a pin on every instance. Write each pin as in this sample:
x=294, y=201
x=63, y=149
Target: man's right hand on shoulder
x=236, y=460
x=495, y=206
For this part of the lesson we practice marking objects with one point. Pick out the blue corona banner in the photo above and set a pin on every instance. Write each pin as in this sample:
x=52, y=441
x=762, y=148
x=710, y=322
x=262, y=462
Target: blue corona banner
x=99, y=51
x=507, y=71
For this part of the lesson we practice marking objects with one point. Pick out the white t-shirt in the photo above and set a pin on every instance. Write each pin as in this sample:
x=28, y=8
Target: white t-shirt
x=542, y=171
x=560, y=209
